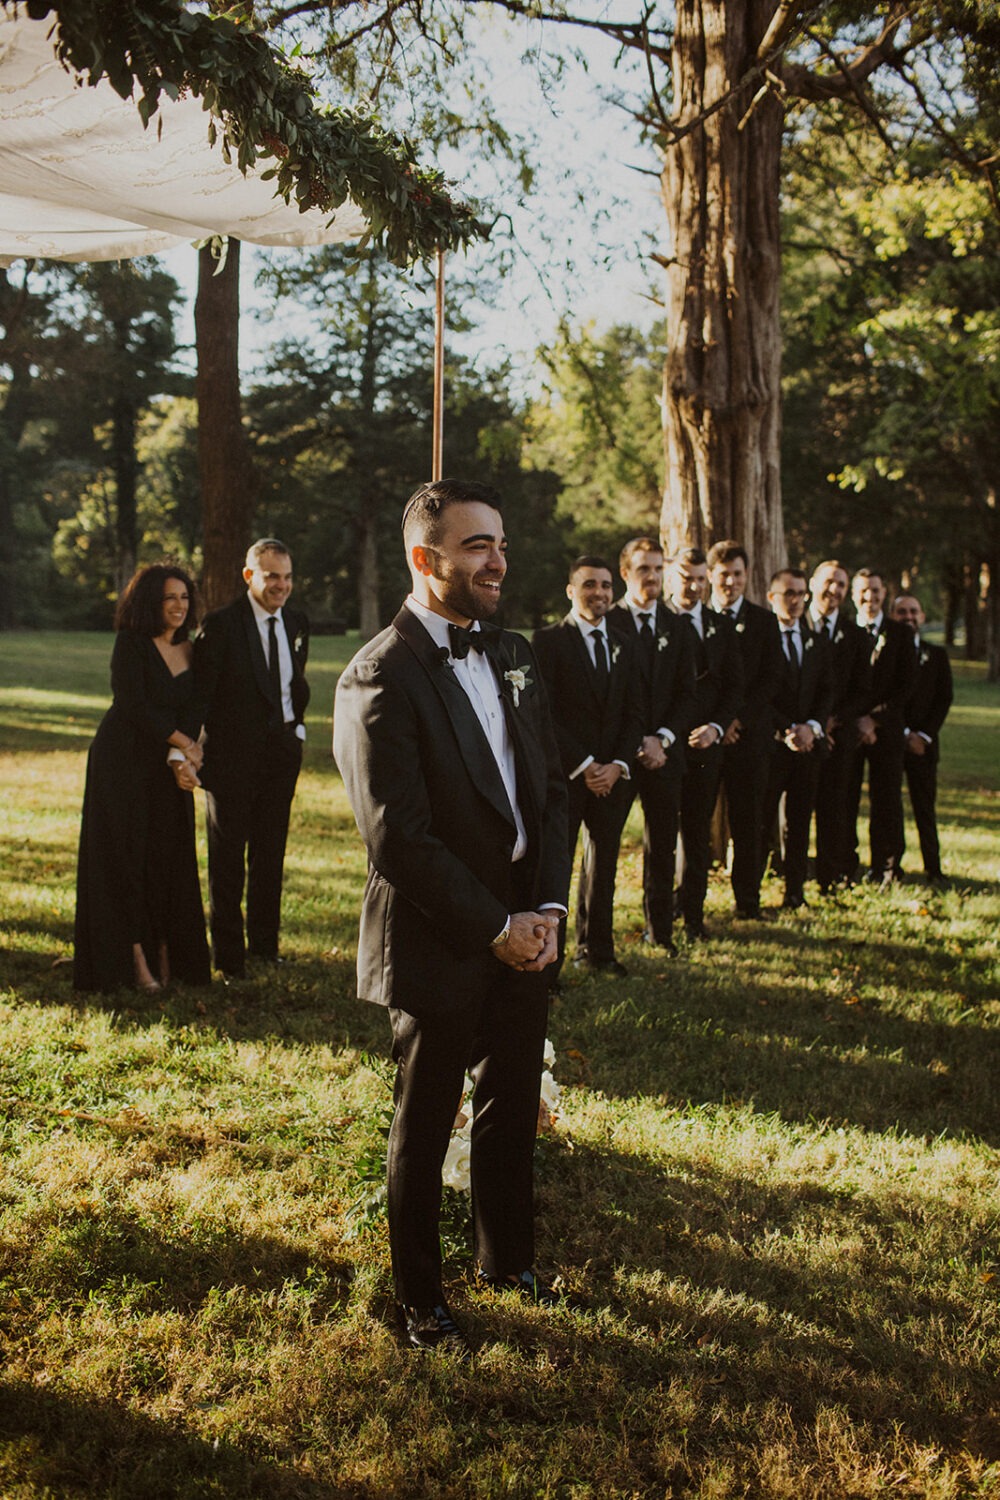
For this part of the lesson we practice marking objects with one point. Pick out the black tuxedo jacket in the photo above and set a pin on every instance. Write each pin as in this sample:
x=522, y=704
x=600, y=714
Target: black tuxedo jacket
x=231, y=676
x=668, y=700
x=436, y=821
x=927, y=706
x=718, y=669
x=851, y=674
x=804, y=692
x=588, y=723
x=893, y=669
x=759, y=642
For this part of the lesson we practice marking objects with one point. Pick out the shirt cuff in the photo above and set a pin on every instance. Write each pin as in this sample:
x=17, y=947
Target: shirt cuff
x=581, y=768
x=175, y=755
x=625, y=770
x=666, y=734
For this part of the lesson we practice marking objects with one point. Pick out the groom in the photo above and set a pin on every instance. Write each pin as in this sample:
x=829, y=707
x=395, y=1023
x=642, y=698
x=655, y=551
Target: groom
x=443, y=738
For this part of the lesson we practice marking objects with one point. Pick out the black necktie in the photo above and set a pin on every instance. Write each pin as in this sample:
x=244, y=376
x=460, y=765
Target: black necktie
x=274, y=662
x=600, y=659
x=463, y=639
x=790, y=651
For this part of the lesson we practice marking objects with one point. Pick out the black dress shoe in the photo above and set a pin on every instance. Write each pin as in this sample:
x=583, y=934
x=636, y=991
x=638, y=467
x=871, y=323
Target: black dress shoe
x=529, y=1285
x=748, y=913
x=428, y=1328
x=611, y=967
x=794, y=903
x=697, y=932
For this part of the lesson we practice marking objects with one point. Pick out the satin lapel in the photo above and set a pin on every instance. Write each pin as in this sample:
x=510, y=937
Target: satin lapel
x=473, y=744
x=256, y=650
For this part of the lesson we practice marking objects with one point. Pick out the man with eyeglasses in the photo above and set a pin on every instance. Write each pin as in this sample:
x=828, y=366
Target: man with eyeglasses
x=799, y=712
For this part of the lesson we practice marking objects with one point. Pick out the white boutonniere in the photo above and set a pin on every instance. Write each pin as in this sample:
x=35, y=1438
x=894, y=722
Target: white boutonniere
x=741, y=627
x=709, y=630
x=519, y=680
x=298, y=644
x=838, y=637
x=807, y=644
x=879, y=648
x=925, y=657
x=662, y=642
x=616, y=651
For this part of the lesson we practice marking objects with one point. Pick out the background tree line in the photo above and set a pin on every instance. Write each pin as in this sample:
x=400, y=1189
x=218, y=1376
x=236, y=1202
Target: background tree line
x=888, y=312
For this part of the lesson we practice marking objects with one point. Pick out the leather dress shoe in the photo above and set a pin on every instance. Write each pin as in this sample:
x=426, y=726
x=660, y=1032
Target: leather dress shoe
x=748, y=913
x=697, y=932
x=428, y=1328
x=529, y=1285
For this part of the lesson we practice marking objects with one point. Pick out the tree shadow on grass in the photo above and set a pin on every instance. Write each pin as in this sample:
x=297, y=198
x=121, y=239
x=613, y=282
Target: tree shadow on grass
x=787, y=1045
x=725, y=1281
x=54, y=1442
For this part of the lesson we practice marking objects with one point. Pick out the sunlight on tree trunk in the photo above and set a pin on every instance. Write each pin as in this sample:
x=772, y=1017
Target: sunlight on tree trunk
x=225, y=469
x=721, y=398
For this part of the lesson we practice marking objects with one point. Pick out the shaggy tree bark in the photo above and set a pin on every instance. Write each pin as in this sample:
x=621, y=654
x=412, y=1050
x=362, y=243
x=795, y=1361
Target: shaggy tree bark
x=722, y=379
x=225, y=469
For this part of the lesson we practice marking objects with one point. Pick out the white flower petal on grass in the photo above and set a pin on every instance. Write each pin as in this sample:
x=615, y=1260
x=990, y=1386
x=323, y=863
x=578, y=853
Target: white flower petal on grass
x=549, y=1055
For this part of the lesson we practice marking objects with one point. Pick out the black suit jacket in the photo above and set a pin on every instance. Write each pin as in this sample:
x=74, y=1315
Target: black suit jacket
x=231, y=677
x=804, y=692
x=668, y=700
x=718, y=670
x=851, y=675
x=893, y=671
x=586, y=723
x=436, y=821
x=759, y=642
x=927, y=706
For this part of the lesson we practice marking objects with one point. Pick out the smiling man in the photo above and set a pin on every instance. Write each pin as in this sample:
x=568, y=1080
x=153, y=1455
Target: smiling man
x=249, y=663
x=443, y=738
x=589, y=678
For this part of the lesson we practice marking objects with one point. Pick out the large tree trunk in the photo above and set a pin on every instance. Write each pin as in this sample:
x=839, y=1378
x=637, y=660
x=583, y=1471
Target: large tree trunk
x=720, y=183
x=225, y=469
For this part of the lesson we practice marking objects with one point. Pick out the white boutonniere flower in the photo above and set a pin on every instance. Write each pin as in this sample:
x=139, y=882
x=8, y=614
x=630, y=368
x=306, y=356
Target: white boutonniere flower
x=709, y=630
x=925, y=657
x=807, y=644
x=616, y=651
x=662, y=642
x=298, y=644
x=741, y=627
x=879, y=648
x=519, y=680
x=838, y=637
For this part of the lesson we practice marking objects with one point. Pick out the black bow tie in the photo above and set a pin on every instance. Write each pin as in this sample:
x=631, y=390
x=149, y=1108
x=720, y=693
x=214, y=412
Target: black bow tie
x=461, y=639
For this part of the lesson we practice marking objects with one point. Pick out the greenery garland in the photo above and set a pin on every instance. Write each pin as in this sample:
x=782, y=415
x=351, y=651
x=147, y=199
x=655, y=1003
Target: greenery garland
x=261, y=107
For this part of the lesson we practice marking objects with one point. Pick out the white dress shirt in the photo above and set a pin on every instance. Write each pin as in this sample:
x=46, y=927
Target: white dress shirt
x=262, y=616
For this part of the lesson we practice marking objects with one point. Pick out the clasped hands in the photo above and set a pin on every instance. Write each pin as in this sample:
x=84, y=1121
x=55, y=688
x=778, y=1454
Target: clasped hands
x=531, y=943
x=186, y=771
x=600, y=778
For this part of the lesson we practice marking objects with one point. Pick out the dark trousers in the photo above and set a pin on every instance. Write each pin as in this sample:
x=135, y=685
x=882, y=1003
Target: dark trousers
x=699, y=790
x=744, y=776
x=602, y=819
x=660, y=795
x=247, y=833
x=836, y=837
x=793, y=773
x=498, y=1037
x=921, y=780
x=884, y=761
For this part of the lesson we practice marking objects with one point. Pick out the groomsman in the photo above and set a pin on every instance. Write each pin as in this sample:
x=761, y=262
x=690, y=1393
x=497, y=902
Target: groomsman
x=666, y=703
x=249, y=667
x=880, y=729
x=925, y=712
x=850, y=670
x=588, y=676
x=800, y=710
x=718, y=696
x=746, y=744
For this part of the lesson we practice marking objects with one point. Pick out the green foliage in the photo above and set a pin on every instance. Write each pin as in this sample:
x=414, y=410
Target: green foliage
x=261, y=108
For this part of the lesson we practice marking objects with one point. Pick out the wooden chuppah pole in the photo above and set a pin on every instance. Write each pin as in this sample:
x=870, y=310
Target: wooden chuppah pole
x=437, y=445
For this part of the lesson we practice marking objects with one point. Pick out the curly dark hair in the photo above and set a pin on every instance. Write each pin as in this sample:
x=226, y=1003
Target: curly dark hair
x=140, y=605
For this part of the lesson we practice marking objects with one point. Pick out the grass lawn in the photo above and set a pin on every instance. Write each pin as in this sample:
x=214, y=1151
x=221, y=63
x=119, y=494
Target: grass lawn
x=774, y=1181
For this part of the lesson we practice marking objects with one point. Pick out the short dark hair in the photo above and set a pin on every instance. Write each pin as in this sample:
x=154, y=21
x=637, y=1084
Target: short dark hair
x=588, y=560
x=423, y=511
x=871, y=573
x=786, y=572
x=261, y=545
x=638, y=544
x=693, y=556
x=726, y=552
x=140, y=605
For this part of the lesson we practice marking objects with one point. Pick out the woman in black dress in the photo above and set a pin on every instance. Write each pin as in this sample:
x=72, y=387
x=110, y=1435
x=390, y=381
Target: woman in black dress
x=139, y=913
